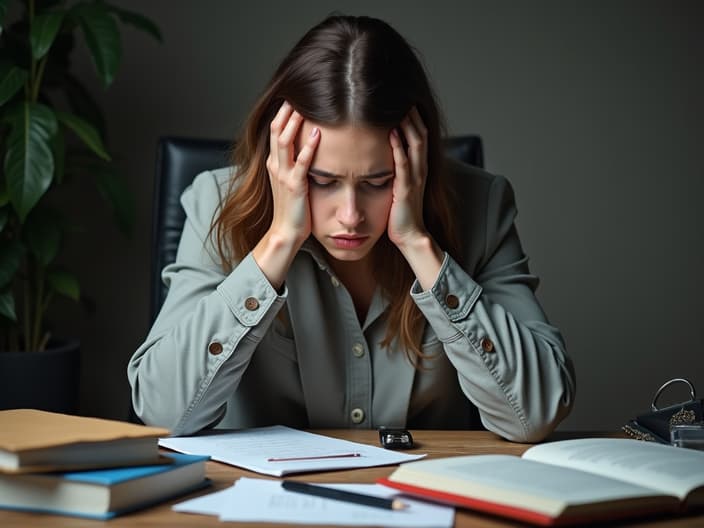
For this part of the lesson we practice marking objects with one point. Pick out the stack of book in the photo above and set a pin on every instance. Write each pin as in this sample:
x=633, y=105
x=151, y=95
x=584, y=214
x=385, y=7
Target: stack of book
x=89, y=467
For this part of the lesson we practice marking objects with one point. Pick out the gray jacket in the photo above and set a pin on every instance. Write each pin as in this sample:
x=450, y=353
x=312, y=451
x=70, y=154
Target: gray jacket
x=219, y=355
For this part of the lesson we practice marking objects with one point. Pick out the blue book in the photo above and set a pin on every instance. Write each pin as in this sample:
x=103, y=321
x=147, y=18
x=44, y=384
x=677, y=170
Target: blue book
x=103, y=493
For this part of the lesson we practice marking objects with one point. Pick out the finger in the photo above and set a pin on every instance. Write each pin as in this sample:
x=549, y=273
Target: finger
x=417, y=147
x=400, y=159
x=284, y=144
x=305, y=156
x=417, y=121
x=277, y=126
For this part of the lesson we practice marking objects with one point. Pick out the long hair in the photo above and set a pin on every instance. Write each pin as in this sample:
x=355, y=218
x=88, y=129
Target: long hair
x=345, y=70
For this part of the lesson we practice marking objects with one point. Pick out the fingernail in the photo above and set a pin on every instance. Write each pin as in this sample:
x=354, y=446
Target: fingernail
x=314, y=132
x=394, y=133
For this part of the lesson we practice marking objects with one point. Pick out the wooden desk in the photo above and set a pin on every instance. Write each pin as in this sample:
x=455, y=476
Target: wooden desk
x=434, y=443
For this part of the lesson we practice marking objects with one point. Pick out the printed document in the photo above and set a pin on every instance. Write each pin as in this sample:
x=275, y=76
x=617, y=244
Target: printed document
x=260, y=500
x=279, y=450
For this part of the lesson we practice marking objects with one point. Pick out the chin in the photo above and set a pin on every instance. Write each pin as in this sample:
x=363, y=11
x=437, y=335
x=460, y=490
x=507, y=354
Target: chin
x=346, y=255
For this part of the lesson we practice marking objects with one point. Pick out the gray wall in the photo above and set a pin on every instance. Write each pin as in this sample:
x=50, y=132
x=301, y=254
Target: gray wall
x=594, y=110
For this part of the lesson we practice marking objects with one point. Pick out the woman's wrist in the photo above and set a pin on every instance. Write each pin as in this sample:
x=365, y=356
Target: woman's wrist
x=425, y=258
x=274, y=254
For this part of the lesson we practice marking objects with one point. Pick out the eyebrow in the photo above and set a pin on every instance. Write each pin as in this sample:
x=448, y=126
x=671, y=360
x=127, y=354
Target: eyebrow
x=372, y=176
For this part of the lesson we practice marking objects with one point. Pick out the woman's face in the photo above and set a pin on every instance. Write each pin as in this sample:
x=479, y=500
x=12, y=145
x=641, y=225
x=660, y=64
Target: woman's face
x=350, y=188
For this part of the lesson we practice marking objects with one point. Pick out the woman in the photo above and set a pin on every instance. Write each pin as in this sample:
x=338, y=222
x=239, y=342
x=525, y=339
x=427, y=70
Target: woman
x=331, y=279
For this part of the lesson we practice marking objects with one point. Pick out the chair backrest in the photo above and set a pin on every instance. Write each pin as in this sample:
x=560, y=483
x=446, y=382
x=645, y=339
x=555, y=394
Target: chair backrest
x=180, y=159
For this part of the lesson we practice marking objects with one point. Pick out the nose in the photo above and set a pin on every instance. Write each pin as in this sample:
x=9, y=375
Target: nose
x=349, y=214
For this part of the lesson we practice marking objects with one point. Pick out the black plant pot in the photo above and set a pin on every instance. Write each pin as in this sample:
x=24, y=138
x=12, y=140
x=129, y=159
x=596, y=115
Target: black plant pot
x=46, y=380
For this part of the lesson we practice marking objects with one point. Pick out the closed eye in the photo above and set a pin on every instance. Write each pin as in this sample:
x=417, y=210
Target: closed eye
x=321, y=181
x=379, y=184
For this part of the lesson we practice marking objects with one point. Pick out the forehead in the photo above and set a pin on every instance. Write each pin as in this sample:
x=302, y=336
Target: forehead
x=349, y=149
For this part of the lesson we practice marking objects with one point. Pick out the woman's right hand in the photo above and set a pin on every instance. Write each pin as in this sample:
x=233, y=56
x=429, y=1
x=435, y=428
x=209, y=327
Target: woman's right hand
x=288, y=176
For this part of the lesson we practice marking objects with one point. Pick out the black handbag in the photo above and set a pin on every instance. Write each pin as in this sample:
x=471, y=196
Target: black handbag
x=656, y=425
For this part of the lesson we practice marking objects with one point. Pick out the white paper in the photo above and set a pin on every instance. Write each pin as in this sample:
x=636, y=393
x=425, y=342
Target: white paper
x=260, y=500
x=210, y=504
x=251, y=448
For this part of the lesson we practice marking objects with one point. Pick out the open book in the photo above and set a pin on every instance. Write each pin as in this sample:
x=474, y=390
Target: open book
x=566, y=482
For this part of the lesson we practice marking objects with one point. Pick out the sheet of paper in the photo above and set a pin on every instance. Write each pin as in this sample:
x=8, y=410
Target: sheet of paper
x=260, y=500
x=252, y=449
x=210, y=504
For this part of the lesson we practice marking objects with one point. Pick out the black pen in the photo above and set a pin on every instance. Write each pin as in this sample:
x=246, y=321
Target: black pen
x=347, y=496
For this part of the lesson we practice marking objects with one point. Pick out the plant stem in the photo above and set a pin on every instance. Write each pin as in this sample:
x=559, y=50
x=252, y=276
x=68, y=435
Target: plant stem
x=38, y=78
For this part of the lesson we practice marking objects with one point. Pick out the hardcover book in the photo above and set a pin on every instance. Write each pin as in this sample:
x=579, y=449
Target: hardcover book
x=565, y=482
x=105, y=493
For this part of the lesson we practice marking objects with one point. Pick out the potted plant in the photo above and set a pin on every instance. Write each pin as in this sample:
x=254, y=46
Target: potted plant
x=51, y=131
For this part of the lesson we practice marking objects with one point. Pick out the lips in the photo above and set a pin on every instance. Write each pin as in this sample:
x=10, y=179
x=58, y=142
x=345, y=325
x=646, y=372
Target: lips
x=349, y=241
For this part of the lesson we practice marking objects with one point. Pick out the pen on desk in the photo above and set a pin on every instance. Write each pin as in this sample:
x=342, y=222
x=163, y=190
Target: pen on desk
x=341, y=495
x=320, y=457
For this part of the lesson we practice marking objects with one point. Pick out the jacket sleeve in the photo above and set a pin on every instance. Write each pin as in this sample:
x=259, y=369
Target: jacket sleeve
x=206, y=332
x=510, y=361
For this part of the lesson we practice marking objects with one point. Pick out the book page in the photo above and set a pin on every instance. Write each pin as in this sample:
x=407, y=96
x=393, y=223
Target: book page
x=511, y=480
x=671, y=470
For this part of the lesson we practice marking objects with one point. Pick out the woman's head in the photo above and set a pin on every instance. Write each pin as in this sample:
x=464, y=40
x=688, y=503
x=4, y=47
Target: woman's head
x=353, y=70
x=346, y=73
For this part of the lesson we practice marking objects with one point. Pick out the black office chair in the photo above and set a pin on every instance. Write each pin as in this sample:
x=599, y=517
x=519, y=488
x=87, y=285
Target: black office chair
x=180, y=159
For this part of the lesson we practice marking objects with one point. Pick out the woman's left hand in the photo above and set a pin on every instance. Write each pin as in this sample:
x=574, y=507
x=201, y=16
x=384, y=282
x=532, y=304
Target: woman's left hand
x=406, y=216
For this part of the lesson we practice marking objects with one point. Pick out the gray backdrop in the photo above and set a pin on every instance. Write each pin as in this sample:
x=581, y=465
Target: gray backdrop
x=594, y=110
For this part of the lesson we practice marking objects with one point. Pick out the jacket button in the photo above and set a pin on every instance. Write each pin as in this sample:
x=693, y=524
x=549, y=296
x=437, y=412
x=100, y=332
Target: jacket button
x=215, y=348
x=452, y=301
x=251, y=303
x=358, y=350
x=357, y=415
x=487, y=344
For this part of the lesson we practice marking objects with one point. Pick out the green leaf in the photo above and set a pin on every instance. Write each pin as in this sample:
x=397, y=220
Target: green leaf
x=103, y=38
x=85, y=131
x=138, y=21
x=45, y=27
x=10, y=258
x=115, y=192
x=29, y=163
x=7, y=305
x=64, y=283
x=3, y=219
x=43, y=235
x=12, y=79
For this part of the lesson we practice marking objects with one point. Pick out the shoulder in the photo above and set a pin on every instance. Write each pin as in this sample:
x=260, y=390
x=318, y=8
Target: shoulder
x=484, y=206
x=480, y=195
x=204, y=196
x=471, y=181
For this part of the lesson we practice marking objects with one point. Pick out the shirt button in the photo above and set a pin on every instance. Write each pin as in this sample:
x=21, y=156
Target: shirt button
x=357, y=415
x=452, y=301
x=251, y=304
x=358, y=350
x=334, y=281
x=487, y=344
x=215, y=348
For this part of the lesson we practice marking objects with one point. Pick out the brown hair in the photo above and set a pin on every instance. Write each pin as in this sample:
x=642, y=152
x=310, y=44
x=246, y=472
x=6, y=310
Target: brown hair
x=345, y=70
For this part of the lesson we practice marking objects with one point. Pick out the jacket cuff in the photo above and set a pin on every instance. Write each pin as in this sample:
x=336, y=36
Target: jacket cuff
x=449, y=300
x=249, y=294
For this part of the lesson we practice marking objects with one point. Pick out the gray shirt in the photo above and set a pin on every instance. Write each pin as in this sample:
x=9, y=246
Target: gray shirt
x=220, y=353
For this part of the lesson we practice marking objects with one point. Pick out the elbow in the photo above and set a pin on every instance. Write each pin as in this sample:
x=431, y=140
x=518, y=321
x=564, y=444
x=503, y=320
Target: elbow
x=540, y=411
